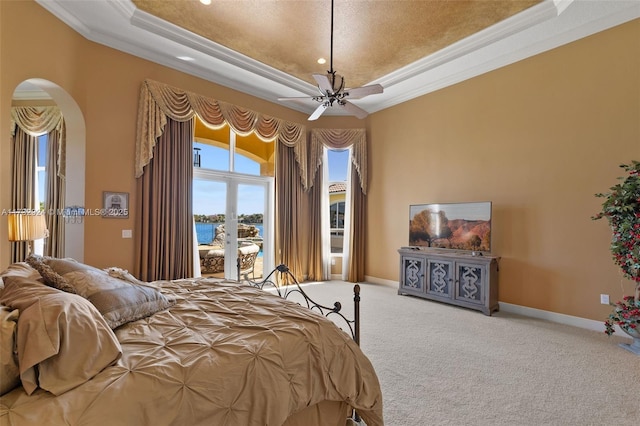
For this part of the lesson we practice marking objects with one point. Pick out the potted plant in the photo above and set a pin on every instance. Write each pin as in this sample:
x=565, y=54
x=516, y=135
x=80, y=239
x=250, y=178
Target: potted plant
x=621, y=208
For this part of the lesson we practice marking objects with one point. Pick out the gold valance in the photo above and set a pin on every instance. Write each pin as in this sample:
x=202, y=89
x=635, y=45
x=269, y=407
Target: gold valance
x=340, y=139
x=39, y=120
x=159, y=101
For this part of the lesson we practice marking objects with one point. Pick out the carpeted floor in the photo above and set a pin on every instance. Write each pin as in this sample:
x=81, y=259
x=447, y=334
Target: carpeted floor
x=442, y=365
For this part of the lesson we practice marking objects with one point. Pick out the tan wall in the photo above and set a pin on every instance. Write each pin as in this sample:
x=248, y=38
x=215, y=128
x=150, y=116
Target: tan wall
x=538, y=138
x=105, y=84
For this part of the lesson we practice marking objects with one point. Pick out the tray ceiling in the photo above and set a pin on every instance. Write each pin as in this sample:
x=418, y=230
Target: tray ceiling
x=270, y=48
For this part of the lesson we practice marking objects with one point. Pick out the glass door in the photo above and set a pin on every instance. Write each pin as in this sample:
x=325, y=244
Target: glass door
x=233, y=223
x=253, y=230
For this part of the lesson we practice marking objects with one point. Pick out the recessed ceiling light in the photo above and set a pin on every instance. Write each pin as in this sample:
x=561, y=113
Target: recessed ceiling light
x=185, y=58
x=322, y=61
x=205, y=2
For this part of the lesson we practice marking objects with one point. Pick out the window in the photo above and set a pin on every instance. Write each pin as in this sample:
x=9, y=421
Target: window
x=41, y=184
x=41, y=170
x=232, y=195
x=338, y=166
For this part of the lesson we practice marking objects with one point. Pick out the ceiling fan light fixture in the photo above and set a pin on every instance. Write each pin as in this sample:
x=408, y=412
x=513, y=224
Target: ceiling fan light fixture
x=332, y=89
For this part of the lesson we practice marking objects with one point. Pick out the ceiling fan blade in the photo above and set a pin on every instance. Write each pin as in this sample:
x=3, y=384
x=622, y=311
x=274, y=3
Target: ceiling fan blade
x=354, y=110
x=318, y=112
x=361, y=92
x=323, y=82
x=294, y=98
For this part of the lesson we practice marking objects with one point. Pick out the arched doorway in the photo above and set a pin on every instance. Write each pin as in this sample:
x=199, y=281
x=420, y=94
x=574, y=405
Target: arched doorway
x=40, y=92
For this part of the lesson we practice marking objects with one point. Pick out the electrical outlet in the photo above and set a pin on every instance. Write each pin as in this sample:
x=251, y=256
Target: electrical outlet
x=604, y=299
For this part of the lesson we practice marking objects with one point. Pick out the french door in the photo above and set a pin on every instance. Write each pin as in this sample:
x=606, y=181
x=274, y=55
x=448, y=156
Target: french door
x=243, y=205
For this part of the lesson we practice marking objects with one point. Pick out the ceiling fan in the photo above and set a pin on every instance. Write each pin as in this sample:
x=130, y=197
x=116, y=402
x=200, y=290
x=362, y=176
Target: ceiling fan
x=333, y=92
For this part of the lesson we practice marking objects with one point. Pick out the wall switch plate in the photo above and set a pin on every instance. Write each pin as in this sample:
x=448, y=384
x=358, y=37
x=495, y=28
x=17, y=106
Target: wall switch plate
x=333, y=261
x=604, y=299
x=126, y=233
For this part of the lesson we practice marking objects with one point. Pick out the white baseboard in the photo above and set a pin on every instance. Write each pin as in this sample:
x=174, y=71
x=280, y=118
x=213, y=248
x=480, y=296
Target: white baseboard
x=530, y=312
x=559, y=318
x=375, y=280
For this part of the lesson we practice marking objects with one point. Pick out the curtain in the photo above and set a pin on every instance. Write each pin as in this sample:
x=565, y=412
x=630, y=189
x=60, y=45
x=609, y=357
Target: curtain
x=289, y=199
x=357, y=228
x=23, y=178
x=318, y=268
x=54, y=201
x=27, y=123
x=160, y=102
x=165, y=208
x=356, y=139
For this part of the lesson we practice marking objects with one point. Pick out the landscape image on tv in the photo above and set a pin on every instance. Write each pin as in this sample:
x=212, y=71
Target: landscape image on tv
x=456, y=226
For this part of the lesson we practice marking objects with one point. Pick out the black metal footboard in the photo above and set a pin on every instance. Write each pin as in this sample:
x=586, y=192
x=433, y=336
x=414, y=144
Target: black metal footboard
x=286, y=284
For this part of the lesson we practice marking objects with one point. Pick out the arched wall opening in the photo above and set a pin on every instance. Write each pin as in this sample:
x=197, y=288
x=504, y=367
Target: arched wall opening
x=34, y=91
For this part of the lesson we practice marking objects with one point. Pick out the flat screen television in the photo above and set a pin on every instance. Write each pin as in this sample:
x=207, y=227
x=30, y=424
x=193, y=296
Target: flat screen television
x=454, y=226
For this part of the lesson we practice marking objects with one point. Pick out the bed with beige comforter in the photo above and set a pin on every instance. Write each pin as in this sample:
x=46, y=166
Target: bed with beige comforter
x=223, y=353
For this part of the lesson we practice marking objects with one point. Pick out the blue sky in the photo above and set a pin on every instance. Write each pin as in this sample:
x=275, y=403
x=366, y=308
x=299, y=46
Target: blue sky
x=210, y=198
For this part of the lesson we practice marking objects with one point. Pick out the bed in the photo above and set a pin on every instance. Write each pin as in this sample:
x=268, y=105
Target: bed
x=96, y=347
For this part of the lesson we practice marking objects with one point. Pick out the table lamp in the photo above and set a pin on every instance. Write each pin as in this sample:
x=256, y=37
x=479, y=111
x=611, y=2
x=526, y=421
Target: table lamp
x=27, y=226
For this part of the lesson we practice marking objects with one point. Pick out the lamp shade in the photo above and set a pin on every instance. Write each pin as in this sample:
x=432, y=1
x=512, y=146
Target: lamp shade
x=27, y=226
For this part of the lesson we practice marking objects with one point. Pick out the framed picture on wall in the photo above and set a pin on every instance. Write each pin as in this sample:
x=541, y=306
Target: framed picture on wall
x=115, y=204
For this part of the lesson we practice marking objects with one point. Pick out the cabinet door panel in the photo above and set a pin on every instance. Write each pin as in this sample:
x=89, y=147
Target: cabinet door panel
x=413, y=273
x=440, y=278
x=469, y=279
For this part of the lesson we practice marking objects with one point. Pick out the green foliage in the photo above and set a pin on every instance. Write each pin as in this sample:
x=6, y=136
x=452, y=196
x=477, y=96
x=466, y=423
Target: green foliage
x=621, y=208
x=220, y=218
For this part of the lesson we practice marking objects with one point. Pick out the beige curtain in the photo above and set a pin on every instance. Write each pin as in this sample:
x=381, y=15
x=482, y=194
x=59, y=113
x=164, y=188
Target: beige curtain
x=290, y=199
x=316, y=269
x=159, y=102
x=27, y=123
x=165, y=208
x=37, y=121
x=355, y=264
x=342, y=139
x=55, y=198
x=23, y=195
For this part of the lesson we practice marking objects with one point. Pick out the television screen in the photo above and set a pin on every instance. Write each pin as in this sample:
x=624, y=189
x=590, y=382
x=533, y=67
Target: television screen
x=455, y=226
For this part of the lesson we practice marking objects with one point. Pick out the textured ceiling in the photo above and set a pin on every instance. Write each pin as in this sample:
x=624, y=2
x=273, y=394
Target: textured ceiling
x=269, y=48
x=371, y=38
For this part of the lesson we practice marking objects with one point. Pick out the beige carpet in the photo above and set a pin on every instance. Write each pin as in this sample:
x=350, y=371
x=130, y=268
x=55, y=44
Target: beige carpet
x=443, y=365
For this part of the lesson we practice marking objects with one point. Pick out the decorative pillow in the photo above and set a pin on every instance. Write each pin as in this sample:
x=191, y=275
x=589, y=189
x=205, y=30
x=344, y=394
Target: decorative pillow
x=62, y=339
x=118, y=300
x=9, y=372
x=21, y=269
x=48, y=275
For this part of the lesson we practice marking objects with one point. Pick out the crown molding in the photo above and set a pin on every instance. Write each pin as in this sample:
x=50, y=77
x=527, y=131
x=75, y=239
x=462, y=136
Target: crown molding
x=548, y=25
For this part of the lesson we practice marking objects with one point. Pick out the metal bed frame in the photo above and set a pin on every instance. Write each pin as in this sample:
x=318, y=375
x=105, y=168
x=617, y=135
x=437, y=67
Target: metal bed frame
x=286, y=284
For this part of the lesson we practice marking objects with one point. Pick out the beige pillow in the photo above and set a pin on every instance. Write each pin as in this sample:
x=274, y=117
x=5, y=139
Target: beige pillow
x=9, y=372
x=62, y=339
x=118, y=300
x=21, y=269
x=49, y=276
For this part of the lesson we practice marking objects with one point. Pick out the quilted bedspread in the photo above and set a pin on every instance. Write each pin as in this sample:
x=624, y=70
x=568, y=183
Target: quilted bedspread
x=225, y=354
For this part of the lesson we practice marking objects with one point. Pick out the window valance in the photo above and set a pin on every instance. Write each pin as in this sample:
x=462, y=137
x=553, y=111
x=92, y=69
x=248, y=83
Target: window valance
x=39, y=120
x=340, y=139
x=159, y=101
